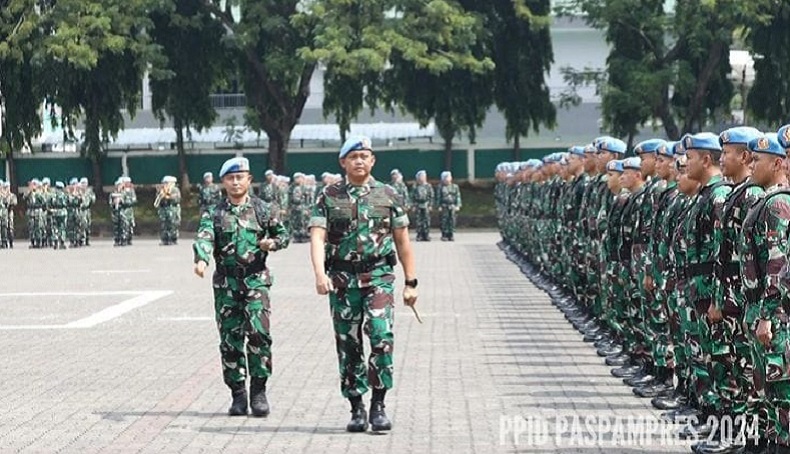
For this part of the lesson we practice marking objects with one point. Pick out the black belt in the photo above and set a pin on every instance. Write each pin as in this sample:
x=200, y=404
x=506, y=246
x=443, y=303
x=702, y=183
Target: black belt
x=240, y=272
x=699, y=269
x=361, y=266
x=731, y=270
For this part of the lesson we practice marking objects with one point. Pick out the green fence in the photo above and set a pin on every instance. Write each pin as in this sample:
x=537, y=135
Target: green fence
x=149, y=167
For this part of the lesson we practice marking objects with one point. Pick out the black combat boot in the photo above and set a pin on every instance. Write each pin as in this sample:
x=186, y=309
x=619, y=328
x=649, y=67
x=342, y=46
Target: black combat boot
x=259, y=405
x=359, y=417
x=378, y=418
x=238, y=407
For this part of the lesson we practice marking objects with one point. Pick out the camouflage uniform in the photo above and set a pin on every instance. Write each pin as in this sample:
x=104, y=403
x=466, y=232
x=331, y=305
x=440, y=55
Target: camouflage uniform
x=731, y=352
x=58, y=205
x=36, y=217
x=268, y=191
x=403, y=191
x=422, y=200
x=360, y=257
x=296, y=216
x=230, y=233
x=210, y=194
x=764, y=270
x=448, y=198
x=169, y=212
x=700, y=245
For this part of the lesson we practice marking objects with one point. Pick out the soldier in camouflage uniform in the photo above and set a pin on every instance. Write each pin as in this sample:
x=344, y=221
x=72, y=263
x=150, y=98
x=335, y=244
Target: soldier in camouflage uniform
x=59, y=203
x=357, y=227
x=36, y=204
x=239, y=233
x=764, y=269
x=422, y=198
x=396, y=181
x=448, y=199
x=168, y=205
x=654, y=281
x=731, y=362
x=296, y=199
x=8, y=203
x=268, y=191
x=209, y=193
x=700, y=245
x=88, y=200
x=115, y=200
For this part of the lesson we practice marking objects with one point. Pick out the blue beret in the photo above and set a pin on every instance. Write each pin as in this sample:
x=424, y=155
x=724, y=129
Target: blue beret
x=766, y=144
x=783, y=135
x=739, y=135
x=632, y=163
x=7, y=184
x=615, y=165
x=270, y=172
x=590, y=148
x=126, y=179
x=535, y=162
x=577, y=150
x=446, y=174
x=355, y=143
x=83, y=180
x=234, y=165
x=59, y=184
x=649, y=146
x=45, y=180
x=612, y=145
x=668, y=149
x=419, y=173
x=208, y=175
x=35, y=181
x=706, y=141
x=598, y=140
x=73, y=181
x=679, y=149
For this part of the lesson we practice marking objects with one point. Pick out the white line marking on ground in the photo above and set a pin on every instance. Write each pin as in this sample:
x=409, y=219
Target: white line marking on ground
x=140, y=299
x=119, y=271
x=186, y=319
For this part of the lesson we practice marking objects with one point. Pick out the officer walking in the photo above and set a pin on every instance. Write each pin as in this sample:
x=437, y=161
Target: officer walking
x=240, y=232
x=354, y=225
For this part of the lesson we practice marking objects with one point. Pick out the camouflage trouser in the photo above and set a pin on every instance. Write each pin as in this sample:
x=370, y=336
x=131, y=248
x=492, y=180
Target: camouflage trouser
x=731, y=356
x=298, y=222
x=37, y=225
x=699, y=348
x=242, y=310
x=58, y=229
x=423, y=222
x=447, y=223
x=168, y=225
x=772, y=381
x=88, y=223
x=359, y=311
x=3, y=228
x=657, y=322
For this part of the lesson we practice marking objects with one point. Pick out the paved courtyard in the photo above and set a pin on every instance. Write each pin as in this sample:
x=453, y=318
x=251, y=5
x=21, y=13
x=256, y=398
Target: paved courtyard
x=115, y=350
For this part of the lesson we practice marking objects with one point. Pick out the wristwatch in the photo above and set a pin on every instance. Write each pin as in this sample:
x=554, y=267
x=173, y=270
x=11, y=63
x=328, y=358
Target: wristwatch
x=411, y=283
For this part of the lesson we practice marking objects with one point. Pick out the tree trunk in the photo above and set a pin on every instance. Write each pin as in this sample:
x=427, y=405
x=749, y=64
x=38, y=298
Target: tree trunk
x=694, y=112
x=94, y=151
x=517, y=148
x=278, y=146
x=182, y=158
x=11, y=177
x=448, y=153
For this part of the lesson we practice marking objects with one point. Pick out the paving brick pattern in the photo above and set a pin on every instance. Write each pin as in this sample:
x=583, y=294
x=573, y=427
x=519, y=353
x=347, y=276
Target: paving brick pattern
x=492, y=349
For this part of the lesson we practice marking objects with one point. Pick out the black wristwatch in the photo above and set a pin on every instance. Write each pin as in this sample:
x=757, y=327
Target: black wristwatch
x=411, y=283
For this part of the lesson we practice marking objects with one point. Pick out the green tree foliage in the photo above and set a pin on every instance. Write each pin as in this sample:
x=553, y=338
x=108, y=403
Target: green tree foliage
x=769, y=38
x=191, y=41
x=520, y=46
x=20, y=80
x=671, y=67
x=95, y=53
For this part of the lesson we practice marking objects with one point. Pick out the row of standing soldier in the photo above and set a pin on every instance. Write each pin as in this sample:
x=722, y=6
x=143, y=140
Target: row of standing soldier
x=674, y=263
x=54, y=215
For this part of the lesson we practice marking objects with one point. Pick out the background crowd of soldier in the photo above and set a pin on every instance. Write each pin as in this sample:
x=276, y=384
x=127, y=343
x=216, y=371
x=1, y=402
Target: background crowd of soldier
x=63, y=213
x=55, y=215
x=674, y=264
